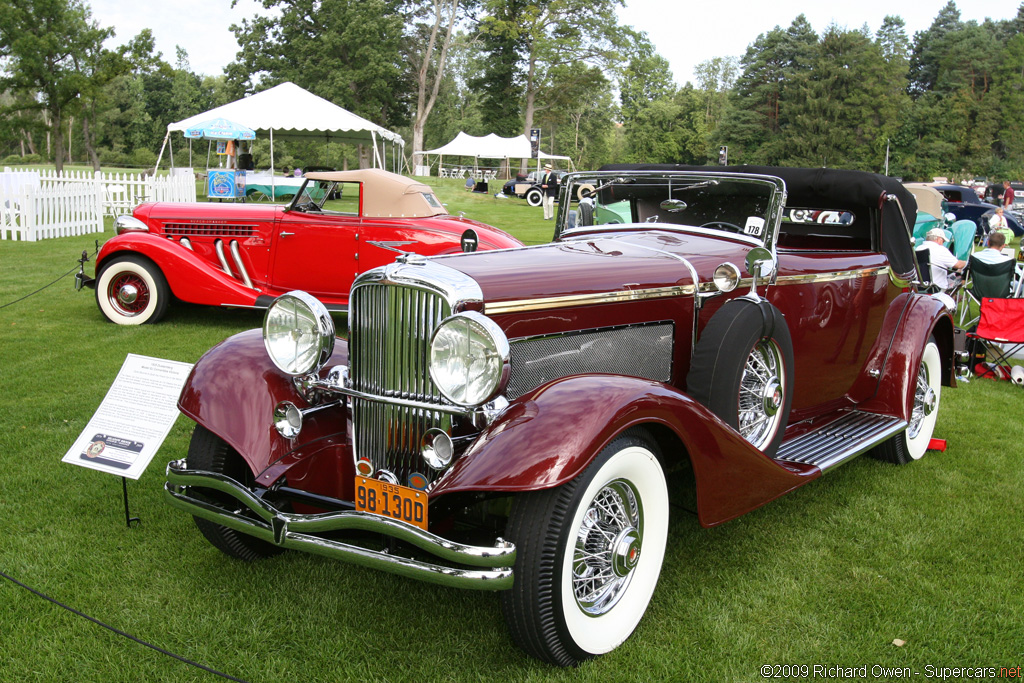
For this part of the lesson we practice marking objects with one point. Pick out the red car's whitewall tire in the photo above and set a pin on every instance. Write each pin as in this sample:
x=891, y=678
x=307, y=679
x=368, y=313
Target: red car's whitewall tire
x=589, y=554
x=131, y=290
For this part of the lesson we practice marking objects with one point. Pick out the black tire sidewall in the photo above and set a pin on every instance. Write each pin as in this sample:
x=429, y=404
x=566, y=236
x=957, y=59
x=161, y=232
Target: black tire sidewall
x=726, y=342
x=207, y=451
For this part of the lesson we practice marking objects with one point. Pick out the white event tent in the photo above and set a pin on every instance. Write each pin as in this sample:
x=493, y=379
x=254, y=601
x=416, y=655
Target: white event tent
x=489, y=146
x=293, y=113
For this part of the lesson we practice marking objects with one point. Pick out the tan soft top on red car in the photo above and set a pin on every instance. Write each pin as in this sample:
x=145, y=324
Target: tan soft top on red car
x=387, y=194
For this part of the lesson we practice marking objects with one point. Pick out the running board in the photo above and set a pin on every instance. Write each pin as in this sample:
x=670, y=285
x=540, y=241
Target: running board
x=840, y=440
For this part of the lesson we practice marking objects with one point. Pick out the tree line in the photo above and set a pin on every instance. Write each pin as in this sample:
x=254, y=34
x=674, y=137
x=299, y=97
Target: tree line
x=948, y=101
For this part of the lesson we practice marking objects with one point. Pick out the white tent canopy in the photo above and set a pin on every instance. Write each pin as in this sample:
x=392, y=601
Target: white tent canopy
x=290, y=112
x=490, y=146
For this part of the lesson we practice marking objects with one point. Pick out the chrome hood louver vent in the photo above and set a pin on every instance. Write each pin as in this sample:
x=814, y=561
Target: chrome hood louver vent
x=209, y=230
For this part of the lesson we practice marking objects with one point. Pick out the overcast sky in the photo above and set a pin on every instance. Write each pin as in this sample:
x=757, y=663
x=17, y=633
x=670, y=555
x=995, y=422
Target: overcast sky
x=685, y=33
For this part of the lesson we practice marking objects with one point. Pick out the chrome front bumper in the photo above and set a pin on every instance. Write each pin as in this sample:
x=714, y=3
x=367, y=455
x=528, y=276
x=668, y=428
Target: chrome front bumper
x=491, y=566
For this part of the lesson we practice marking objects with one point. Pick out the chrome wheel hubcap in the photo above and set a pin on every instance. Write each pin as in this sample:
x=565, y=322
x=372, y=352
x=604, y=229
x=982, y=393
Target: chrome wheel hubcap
x=127, y=294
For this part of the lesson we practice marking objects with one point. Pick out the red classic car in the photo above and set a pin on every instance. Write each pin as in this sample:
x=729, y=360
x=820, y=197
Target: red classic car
x=245, y=255
x=506, y=420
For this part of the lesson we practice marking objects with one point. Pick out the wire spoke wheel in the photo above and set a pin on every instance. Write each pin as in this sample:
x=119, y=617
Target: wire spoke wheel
x=588, y=554
x=913, y=443
x=129, y=294
x=761, y=393
x=607, y=547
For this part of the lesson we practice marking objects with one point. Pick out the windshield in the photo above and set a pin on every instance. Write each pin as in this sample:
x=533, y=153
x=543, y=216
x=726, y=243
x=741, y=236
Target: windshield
x=326, y=196
x=747, y=205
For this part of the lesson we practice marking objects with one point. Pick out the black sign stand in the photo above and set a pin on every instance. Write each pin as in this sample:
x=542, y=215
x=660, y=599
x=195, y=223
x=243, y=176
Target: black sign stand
x=128, y=519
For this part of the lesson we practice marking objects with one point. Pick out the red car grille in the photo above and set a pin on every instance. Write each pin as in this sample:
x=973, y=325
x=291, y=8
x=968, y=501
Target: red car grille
x=217, y=230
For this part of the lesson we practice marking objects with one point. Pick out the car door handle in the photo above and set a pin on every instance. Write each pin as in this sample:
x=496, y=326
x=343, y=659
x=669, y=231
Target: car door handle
x=286, y=234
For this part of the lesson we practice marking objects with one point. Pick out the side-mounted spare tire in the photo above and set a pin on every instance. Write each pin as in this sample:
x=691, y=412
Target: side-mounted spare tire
x=742, y=370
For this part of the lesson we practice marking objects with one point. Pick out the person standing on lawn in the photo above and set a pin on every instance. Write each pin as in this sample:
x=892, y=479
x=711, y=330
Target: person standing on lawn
x=1007, y=195
x=549, y=184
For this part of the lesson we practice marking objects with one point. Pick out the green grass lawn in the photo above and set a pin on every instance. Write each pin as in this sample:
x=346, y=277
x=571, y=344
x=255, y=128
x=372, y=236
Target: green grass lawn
x=831, y=574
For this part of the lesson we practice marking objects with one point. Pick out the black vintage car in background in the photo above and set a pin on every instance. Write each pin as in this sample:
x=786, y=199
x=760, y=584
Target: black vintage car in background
x=963, y=202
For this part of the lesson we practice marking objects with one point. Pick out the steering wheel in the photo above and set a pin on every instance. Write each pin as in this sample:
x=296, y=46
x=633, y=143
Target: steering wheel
x=723, y=225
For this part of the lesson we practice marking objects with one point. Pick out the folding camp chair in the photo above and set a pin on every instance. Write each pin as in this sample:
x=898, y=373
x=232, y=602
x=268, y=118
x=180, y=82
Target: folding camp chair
x=984, y=280
x=924, y=262
x=963, y=238
x=1001, y=331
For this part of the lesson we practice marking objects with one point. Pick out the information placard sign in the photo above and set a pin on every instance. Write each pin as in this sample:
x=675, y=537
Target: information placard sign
x=134, y=418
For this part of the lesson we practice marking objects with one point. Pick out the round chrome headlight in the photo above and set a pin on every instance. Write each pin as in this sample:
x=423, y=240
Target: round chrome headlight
x=298, y=333
x=469, y=359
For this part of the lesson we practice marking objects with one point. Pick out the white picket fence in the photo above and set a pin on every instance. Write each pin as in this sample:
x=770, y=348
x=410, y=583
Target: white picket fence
x=37, y=205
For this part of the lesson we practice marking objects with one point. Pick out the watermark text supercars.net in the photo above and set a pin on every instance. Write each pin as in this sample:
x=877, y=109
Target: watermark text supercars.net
x=941, y=673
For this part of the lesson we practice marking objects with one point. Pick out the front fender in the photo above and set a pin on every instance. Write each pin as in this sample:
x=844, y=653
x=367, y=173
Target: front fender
x=232, y=391
x=548, y=436
x=924, y=316
x=190, y=277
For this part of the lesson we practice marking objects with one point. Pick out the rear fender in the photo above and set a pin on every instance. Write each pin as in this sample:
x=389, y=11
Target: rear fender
x=232, y=391
x=191, y=277
x=548, y=436
x=924, y=317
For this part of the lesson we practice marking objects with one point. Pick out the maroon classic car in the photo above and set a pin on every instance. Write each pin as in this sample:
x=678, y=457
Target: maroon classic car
x=246, y=255
x=506, y=420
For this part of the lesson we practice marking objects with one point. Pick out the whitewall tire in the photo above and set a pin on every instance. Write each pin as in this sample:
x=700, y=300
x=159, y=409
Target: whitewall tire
x=589, y=554
x=131, y=290
x=927, y=387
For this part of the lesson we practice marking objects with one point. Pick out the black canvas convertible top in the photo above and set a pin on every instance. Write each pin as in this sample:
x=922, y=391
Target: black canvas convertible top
x=831, y=188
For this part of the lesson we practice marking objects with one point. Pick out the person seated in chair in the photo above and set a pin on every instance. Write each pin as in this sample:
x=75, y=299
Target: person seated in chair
x=997, y=223
x=994, y=252
x=941, y=258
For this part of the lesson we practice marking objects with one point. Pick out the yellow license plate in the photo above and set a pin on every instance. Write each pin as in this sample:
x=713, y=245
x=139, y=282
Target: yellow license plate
x=392, y=500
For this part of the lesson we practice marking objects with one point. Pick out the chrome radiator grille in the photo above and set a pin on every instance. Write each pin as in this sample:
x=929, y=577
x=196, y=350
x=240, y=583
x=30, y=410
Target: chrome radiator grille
x=389, y=339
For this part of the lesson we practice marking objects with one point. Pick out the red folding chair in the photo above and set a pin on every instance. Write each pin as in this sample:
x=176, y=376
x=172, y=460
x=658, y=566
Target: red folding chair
x=1001, y=331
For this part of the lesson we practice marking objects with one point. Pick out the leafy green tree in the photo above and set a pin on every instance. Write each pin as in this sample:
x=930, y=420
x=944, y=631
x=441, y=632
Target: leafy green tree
x=670, y=130
x=929, y=48
x=757, y=114
x=346, y=51
x=427, y=45
x=47, y=44
x=1010, y=91
x=644, y=78
x=580, y=114
x=548, y=34
x=836, y=110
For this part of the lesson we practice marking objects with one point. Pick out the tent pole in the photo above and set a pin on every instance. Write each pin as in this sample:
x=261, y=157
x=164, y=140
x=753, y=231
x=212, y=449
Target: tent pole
x=273, y=191
x=377, y=163
x=161, y=155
